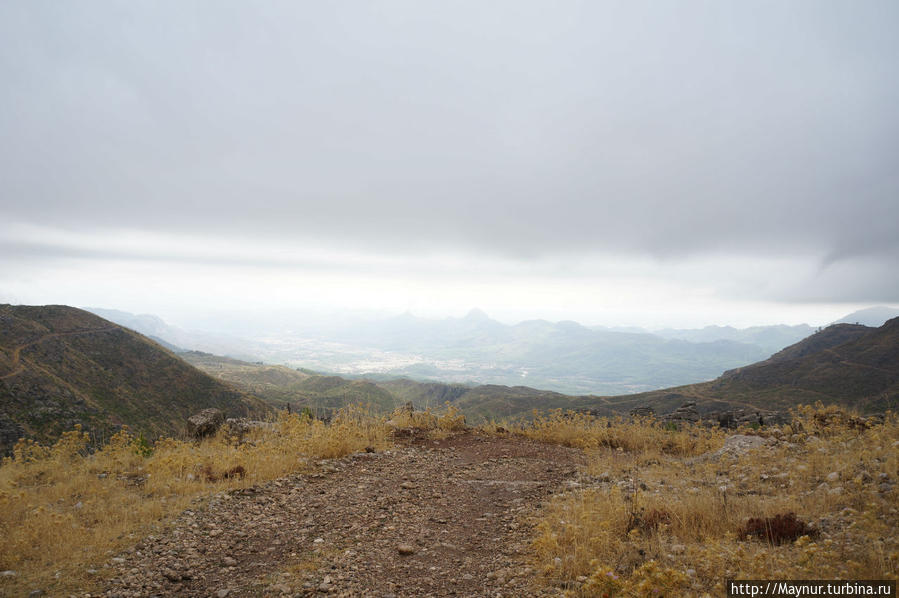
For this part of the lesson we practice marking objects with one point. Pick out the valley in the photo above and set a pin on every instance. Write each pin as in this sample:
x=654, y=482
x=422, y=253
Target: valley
x=563, y=357
x=376, y=485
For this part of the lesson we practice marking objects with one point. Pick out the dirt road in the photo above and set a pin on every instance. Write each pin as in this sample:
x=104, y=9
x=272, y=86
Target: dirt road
x=441, y=518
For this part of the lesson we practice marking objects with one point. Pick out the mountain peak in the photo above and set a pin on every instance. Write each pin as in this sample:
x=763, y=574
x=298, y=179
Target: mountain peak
x=871, y=316
x=477, y=314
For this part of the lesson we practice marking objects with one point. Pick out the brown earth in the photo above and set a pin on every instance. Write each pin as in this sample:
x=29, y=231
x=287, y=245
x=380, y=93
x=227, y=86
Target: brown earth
x=446, y=517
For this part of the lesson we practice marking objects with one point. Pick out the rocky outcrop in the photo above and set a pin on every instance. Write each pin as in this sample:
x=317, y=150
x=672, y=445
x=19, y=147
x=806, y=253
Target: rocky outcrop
x=686, y=413
x=735, y=446
x=240, y=427
x=205, y=423
x=643, y=412
x=735, y=418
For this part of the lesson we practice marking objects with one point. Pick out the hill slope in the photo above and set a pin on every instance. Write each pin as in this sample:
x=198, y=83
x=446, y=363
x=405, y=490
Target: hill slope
x=280, y=385
x=844, y=364
x=832, y=336
x=60, y=366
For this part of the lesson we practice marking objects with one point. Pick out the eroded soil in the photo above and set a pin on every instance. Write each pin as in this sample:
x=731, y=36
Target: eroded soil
x=431, y=518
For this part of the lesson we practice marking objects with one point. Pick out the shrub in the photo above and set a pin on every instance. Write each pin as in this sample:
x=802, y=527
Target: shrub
x=647, y=521
x=785, y=527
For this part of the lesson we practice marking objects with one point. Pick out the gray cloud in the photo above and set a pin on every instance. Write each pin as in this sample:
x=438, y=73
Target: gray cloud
x=520, y=129
x=858, y=280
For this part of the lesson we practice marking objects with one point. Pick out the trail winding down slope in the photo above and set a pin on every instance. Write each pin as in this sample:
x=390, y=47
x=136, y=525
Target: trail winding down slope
x=16, y=354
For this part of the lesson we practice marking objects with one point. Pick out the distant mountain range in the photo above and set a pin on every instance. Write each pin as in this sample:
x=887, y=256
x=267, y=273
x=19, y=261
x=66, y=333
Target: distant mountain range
x=846, y=364
x=871, y=316
x=565, y=357
x=560, y=356
x=174, y=338
x=767, y=338
x=60, y=366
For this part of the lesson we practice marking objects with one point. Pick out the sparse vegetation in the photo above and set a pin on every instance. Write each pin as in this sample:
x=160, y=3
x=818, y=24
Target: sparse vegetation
x=436, y=425
x=63, y=511
x=818, y=502
x=655, y=511
x=61, y=366
x=645, y=437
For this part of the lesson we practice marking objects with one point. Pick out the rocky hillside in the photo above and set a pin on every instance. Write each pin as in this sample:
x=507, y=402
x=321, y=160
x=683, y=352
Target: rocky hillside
x=845, y=364
x=61, y=366
x=862, y=371
x=830, y=337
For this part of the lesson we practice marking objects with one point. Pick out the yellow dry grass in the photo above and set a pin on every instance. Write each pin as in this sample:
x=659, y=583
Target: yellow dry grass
x=438, y=425
x=642, y=436
x=64, y=512
x=650, y=518
x=650, y=522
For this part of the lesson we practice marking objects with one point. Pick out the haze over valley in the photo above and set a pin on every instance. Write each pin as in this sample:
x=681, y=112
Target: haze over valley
x=564, y=357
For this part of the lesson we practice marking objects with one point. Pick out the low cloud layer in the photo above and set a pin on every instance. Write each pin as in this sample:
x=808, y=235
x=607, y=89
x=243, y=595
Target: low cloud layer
x=537, y=137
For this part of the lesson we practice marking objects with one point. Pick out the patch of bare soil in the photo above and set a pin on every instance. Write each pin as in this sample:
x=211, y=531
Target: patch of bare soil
x=432, y=518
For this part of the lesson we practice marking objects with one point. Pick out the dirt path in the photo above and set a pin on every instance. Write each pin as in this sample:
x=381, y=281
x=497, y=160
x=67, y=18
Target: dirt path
x=843, y=361
x=459, y=507
x=17, y=351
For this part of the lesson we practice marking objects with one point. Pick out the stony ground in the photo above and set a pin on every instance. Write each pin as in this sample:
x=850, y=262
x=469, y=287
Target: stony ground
x=432, y=518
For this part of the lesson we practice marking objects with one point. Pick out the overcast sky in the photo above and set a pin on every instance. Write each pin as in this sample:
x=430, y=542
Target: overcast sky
x=651, y=163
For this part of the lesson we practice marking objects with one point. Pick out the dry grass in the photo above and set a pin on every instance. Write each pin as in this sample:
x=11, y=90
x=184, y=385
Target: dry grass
x=649, y=518
x=64, y=512
x=436, y=425
x=647, y=523
x=643, y=436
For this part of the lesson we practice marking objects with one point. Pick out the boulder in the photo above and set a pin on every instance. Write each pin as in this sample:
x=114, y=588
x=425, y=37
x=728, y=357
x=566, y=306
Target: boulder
x=735, y=418
x=643, y=412
x=205, y=423
x=590, y=412
x=241, y=426
x=734, y=446
x=685, y=413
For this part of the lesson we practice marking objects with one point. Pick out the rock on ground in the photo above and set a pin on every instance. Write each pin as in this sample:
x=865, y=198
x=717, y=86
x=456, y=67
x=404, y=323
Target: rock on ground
x=441, y=518
x=735, y=446
x=205, y=423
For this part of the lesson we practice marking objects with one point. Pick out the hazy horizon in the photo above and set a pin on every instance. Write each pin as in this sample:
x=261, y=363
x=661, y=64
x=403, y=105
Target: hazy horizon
x=265, y=322
x=652, y=164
